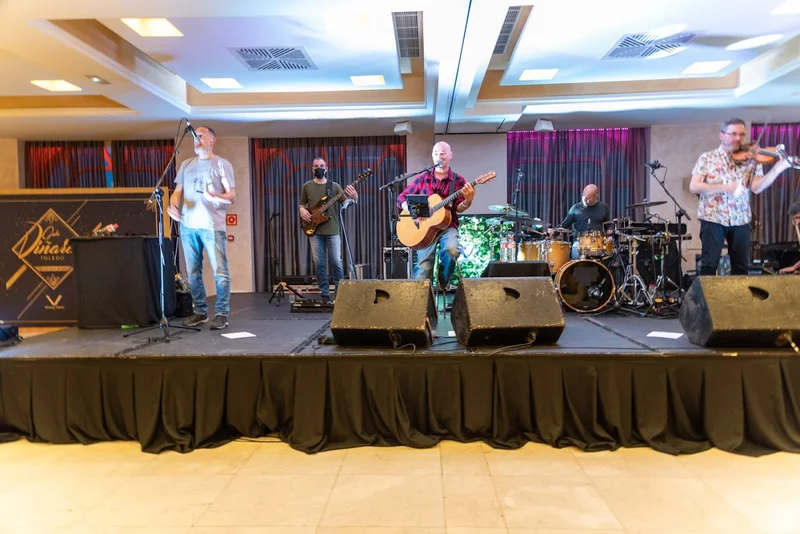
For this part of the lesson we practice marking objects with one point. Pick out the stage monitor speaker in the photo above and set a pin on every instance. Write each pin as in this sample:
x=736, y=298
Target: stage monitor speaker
x=9, y=335
x=741, y=311
x=505, y=269
x=506, y=311
x=384, y=313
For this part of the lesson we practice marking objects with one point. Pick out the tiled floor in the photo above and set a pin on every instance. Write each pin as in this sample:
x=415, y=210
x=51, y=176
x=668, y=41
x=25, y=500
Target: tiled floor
x=266, y=487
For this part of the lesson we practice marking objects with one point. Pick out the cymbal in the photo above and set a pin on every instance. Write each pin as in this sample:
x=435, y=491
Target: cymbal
x=645, y=204
x=508, y=209
x=498, y=221
x=623, y=229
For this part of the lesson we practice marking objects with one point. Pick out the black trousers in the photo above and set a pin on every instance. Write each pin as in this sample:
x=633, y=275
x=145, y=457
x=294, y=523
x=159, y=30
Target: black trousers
x=712, y=236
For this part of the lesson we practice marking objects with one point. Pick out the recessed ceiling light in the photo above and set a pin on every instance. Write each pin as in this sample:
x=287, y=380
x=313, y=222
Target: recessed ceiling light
x=667, y=31
x=153, y=27
x=790, y=7
x=376, y=79
x=530, y=75
x=666, y=53
x=56, y=86
x=97, y=79
x=755, y=42
x=706, y=67
x=221, y=83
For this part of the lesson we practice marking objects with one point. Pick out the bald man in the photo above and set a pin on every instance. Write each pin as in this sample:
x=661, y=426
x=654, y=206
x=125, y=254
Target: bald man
x=587, y=215
x=442, y=181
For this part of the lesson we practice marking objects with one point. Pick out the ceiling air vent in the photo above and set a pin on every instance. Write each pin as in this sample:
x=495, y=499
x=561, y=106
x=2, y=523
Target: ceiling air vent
x=505, y=32
x=406, y=31
x=274, y=58
x=642, y=45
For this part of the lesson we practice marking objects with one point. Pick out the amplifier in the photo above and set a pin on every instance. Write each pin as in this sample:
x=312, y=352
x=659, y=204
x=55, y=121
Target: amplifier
x=403, y=263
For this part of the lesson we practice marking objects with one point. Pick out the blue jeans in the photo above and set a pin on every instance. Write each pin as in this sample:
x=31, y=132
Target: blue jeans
x=448, y=256
x=324, y=249
x=712, y=236
x=214, y=241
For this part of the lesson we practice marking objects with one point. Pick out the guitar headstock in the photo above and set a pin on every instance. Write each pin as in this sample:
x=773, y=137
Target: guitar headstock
x=364, y=175
x=485, y=178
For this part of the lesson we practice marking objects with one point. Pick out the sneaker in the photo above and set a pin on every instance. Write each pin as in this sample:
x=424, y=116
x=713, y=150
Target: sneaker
x=219, y=322
x=196, y=319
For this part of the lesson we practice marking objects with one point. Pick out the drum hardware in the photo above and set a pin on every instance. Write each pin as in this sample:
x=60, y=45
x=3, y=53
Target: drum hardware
x=645, y=204
x=633, y=290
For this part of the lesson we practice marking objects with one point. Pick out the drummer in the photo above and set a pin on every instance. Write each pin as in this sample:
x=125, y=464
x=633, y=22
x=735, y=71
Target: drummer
x=586, y=216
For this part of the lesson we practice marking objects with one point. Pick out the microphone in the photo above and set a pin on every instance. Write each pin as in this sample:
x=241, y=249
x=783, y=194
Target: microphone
x=654, y=165
x=190, y=128
x=519, y=174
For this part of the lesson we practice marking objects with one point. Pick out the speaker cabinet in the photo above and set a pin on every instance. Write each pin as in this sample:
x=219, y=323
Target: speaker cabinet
x=384, y=313
x=506, y=311
x=741, y=311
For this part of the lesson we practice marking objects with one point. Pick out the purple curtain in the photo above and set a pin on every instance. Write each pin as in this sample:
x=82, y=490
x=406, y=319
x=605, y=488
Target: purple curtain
x=771, y=208
x=556, y=166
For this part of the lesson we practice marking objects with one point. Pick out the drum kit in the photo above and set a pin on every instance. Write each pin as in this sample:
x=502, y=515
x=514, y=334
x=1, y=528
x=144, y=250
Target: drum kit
x=625, y=267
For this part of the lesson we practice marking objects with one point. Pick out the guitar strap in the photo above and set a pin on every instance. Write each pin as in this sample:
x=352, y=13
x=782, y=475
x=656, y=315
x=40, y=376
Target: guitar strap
x=453, y=184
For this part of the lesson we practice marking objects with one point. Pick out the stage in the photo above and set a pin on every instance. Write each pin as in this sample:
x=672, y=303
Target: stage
x=606, y=383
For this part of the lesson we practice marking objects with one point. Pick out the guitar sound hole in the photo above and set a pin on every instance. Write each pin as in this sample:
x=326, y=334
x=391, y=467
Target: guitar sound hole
x=380, y=296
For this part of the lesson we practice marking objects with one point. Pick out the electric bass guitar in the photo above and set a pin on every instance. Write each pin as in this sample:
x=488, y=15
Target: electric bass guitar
x=418, y=235
x=319, y=213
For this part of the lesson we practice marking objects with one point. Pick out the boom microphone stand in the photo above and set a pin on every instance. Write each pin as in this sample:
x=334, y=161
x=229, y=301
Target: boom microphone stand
x=679, y=213
x=275, y=252
x=156, y=202
x=350, y=264
x=394, y=217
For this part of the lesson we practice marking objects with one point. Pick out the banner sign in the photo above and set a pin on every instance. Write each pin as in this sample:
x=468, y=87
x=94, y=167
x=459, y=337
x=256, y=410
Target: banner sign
x=36, y=264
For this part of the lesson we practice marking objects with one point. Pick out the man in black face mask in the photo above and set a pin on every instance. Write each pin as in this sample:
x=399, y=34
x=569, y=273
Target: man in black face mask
x=326, y=245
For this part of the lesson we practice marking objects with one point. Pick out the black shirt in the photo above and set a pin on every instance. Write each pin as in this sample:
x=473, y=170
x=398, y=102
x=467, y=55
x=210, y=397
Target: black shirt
x=587, y=218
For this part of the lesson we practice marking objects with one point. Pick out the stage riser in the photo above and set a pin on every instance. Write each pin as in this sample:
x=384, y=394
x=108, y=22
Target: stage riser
x=675, y=404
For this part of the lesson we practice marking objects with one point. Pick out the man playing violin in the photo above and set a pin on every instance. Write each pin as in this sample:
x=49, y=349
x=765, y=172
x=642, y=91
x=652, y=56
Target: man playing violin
x=794, y=213
x=724, y=188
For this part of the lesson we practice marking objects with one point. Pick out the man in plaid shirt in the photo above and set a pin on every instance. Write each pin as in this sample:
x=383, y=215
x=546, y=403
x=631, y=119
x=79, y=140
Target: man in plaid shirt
x=438, y=181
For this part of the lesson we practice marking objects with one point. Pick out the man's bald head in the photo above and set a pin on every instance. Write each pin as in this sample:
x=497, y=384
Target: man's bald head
x=590, y=194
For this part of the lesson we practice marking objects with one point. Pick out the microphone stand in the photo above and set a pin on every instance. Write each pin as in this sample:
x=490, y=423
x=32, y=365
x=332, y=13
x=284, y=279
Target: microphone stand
x=350, y=265
x=679, y=213
x=156, y=202
x=515, y=202
x=394, y=217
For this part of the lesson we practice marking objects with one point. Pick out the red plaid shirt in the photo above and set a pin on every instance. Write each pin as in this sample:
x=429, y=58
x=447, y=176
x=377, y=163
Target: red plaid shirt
x=427, y=184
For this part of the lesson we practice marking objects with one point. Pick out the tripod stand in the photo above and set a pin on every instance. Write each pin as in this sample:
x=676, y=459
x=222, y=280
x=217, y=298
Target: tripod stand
x=275, y=253
x=156, y=201
x=633, y=288
x=679, y=214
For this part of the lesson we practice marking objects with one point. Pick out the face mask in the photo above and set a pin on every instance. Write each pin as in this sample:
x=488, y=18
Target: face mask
x=319, y=173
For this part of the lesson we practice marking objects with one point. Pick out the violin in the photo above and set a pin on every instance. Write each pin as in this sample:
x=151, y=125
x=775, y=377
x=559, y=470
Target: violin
x=752, y=152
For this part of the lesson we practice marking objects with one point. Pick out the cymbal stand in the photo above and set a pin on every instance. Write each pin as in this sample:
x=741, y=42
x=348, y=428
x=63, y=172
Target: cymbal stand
x=633, y=291
x=659, y=295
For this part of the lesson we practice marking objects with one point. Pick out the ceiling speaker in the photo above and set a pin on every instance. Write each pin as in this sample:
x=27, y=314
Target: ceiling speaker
x=402, y=128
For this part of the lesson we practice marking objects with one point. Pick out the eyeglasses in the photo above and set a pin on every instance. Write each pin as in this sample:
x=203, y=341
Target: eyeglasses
x=734, y=134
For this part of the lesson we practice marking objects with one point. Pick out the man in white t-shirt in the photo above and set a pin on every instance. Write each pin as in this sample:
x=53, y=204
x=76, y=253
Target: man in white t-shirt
x=206, y=186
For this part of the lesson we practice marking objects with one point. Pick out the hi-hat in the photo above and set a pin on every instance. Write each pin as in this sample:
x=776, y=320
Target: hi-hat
x=645, y=204
x=507, y=209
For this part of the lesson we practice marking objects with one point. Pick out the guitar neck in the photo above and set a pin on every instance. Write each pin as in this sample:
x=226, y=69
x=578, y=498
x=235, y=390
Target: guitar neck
x=333, y=200
x=448, y=200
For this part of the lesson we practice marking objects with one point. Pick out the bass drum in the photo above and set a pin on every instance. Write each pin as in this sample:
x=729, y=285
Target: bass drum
x=585, y=285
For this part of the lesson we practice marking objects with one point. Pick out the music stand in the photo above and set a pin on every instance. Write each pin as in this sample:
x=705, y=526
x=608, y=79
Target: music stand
x=418, y=206
x=156, y=201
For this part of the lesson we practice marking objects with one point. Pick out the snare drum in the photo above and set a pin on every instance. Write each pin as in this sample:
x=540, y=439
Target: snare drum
x=594, y=245
x=585, y=285
x=555, y=253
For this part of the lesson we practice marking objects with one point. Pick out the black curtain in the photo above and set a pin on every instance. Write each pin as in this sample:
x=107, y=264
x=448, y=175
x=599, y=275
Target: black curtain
x=140, y=163
x=280, y=167
x=556, y=166
x=56, y=164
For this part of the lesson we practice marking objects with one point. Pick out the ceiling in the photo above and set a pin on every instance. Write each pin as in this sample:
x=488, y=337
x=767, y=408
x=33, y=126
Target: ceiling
x=460, y=74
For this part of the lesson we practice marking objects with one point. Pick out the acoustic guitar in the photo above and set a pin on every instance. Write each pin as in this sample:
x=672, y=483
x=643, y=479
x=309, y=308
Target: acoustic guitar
x=418, y=235
x=319, y=213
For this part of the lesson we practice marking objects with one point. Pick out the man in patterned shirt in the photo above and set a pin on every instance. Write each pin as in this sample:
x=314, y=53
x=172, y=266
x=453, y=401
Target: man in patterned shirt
x=438, y=181
x=724, y=189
